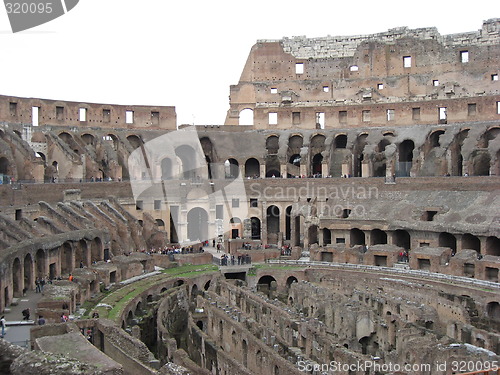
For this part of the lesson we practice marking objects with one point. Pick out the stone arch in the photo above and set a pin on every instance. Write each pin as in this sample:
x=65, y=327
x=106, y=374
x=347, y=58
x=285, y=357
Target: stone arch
x=272, y=144
x=288, y=223
x=231, y=168
x=265, y=282
x=327, y=236
x=96, y=250
x=493, y=310
x=135, y=141
x=112, y=139
x=456, y=152
x=405, y=159
x=197, y=224
x=316, y=164
x=479, y=163
x=252, y=168
x=256, y=228
x=67, y=262
x=273, y=223
x=433, y=139
x=246, y=117
x=294, y=158
x=236, y=227
x=5, y=166
x=194, y=292
x=88, y=139
x=166, y=166
x=488, y=136
x=378, y=237
x=469, y=241
x=357, y=237
x=28, y=271
x=340, y=141
x=358, y=155
x=401, y=238
x=187, y=157
x=290, y=280
x=160, y=223
x=244, y=352
x=17, y=278
x=493, y=246
x=40, y=263
x=312, y=234
x=447, y=240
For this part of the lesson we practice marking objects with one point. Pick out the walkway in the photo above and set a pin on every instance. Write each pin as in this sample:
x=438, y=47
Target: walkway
x=18, y=331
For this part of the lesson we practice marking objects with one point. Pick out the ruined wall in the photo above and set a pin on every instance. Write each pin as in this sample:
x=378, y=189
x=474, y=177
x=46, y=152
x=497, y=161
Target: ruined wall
x=78, y=114
x=340, y=81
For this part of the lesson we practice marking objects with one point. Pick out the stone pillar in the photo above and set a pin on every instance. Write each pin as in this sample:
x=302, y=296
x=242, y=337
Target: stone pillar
x=320, y=237
x=324, y=169
x=283, y=170
x=263, y=224
x=262, y=171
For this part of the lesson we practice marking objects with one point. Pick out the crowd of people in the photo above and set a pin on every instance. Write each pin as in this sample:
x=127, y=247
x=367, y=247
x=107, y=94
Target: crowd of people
x=226, y=260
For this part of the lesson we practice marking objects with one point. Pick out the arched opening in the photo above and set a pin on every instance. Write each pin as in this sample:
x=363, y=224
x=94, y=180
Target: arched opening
x=16, y=278
x=493, y=246
x=197, y=226
x=166, y=169
x=290, y=280
x=194, y=292
x=471, y=242
x=236, y=227
x=255, y=221
x=187, y=156
x=358, y=155
x=28, y=271
x=447, y=240
x=288, y=223
x=40, y=263
x=340, y=141
x=313, y=234
x=357, y=237
x=81, y=253
x=244, y=350
x=67, y=264
x=231, y=168
x=266, y=284
x=112, y=140
x=378, y=237
x=434, y=138
x=252, y=168
x=96, y=250
x=88, y=139
x=130, y=318
x=493, y=310
x=488, y=136
x=4, y=166
x=246, y=117
x=316, y=164
x=273, y=224
x=456, y=153
x=160, y=223
x=134, y=141
x=272, y=161
x=295, y=144
x=327, y=236
x=401, y=238
x=207, y=285
x=480, y=163
x=405, y=158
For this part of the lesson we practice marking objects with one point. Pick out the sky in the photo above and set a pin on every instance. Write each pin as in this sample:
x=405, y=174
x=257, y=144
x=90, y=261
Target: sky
x=187, y=53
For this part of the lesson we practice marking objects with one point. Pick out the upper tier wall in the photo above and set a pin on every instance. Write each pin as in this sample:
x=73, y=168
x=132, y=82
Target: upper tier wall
x=36, y=111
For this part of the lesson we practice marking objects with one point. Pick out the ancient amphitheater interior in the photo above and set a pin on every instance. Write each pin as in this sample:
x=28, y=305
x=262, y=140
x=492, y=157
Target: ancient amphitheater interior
x=354, y=187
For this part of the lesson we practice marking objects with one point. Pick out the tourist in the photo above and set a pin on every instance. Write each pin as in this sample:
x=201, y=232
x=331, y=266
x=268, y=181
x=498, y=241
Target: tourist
x=41, y=320
x=26, y=314
x=2, y=324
